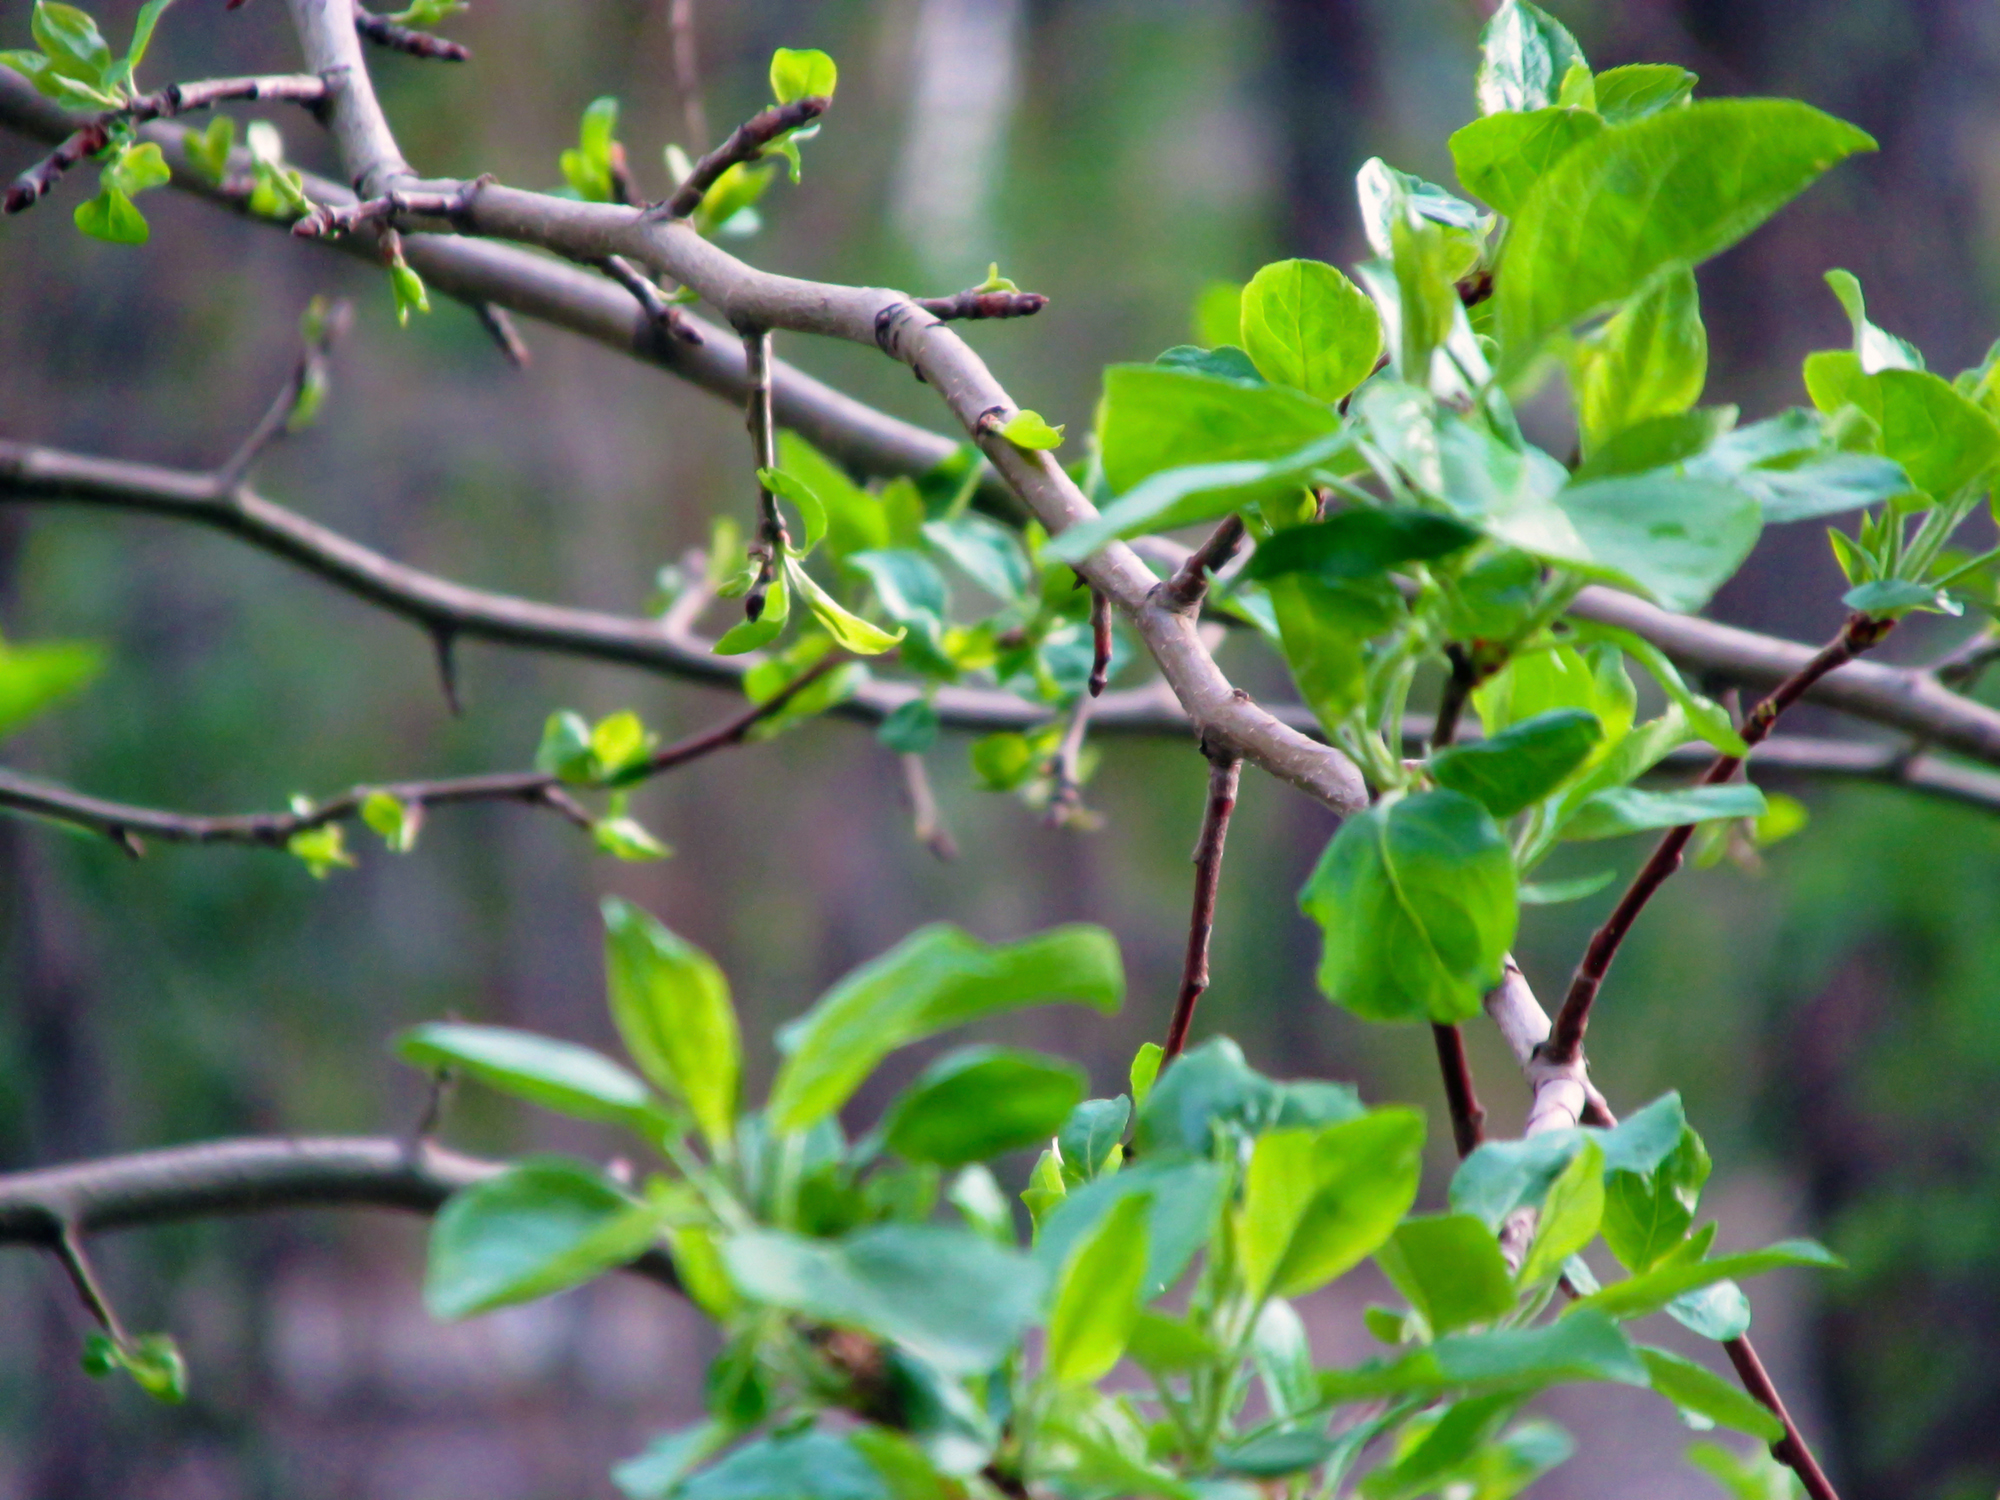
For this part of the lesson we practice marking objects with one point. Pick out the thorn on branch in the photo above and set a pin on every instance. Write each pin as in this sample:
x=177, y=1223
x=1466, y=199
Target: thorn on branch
x=1189, y=586
x=1100, y=642
x=499, y=325
x=174, y=99
x=746, y=143
x=1224, y=772
x=974, y=304
x=397, y=37
x=444, y=642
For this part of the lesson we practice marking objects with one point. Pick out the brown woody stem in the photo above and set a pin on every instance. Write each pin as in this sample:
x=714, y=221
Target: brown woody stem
x=1224, y=773
x=746, y=143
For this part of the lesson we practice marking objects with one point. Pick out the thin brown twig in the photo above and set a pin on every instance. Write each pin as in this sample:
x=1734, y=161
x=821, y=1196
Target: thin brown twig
x=327, y=220
x=1065, y=808
x=662, y=317
x=499, y=326
x=1468, y=1118
x=1189, y=586
x=67, y=1247
x=687, y=73
x=1100, y=643
x=927, y=819
x=174, y=99
x=769, y=547
x=125, y=824
x=309, y=371
x=746, y=143
x=1224, y=773
x=1565, y=1044
x=1791, y=1449
x=1457, y=692
x=976, y=303
x=397, y=37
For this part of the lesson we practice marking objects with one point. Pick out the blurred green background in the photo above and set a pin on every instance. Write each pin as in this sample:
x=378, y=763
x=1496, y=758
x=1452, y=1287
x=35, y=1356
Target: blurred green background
x=1831, y=1022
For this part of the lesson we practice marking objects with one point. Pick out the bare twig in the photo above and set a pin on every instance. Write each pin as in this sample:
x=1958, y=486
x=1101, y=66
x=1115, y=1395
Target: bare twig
x=68, y=1249
x=327, y=220
x=975, y=303
x=1791, y=1449
x=1859, y=634
x=1066, y=809
x=499, y=326
x=769, y=548
x=308, y=374
x=1224, y=771
x=397, y=37
x=1189, y=586
x=125, y=824
x=1458, y=688
x=746, y=143
x=251, y=1175
x=1468, y=1119
x=687, y=73
x=929, y=824
x=1100, y=643
x=661, y=315
x=174, y=99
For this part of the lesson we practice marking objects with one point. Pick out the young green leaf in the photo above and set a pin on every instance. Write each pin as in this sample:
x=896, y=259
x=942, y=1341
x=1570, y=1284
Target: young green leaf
x=322, y=850
x=586, y=166
x=1621, y=810
x=1090, y=1137
x=1416, y=897
x=1316, y=1203
x=1098, y=1295
x=847, y=629
x=1157, y=417
x=33, y=679
x=1522, y=764
x=1640, y=89
x=1360, y=543
x=408, y=287
x=1451, y=1270
x=1501, y=157
x=541, y=1226
x=70, y=39
x=1307, y=326
x=1647, y=1215
x=1028, y=429
x=1144, y=1072
x=1185, y=1197
x=752, y=635
x=153, y=1361
x=911, y=728
x=812, y=510
x=562, y=1076
x=1652, y=1290
x=1592, y=232
x=1876, y=349
x=802, y=74
x=949, y=1297
x=981, y=1102
x=1943, y=441
x=672, y=1008
x=935, y=979
x=396, y=821
x=1650, y=360
x=1524, y=52
x=1571, y=1213
x=111, y=217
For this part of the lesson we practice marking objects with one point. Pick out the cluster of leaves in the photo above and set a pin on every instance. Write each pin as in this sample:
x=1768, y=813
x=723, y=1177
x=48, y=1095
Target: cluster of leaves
x=74, y=66
x=873, y=1350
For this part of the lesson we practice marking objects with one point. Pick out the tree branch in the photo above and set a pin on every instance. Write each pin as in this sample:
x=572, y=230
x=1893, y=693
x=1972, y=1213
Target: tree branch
x=1791, y=1449
x=745, y=144
x=397, y=37
x=1189, y=584
x=125, y=824
x=1859, y=634
x=1468, y=1118
x=1224, y=772
x=976, y=303
x=252, y=1175
x=174, y=99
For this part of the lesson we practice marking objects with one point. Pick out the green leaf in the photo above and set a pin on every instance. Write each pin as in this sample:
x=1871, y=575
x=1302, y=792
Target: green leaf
x=1652, y=1290
x=1677, y=540
x=848, y=630
x=1621, y=810
x=587, y=166
x=138, y=167
x=1217, y=316
x=620, y=745
x=855, y=521
x=1647, y=1215
x=541, y=1226
x=1705, y=716
x=1695, y=1389
x=1502, y=157
x=1876, y=349
x=1090, y=1137
x=1417, y=901
x=565, y=749
x=142, y=38
x=751, y=635
x=950, y=1297
x=153, y=1361
x=1523, y=54
x=1450, y=1269
x=1027, y=429
x=1045, y=1189
x=626, y=838
x=1650, y=360
x=656, y=1473
x=397, y=822
x=1184, y=1198
x=1640, y=89
x=1562, y=676
x=1307, y=326
x=672, y=1008
x=1943, y=441
x=1719, y=1312
x=802, y=74
x=1558, y=892
x=1756, y=1476
x=987, y=552
x=1891, y=598
x=1273, y=1454
x=1501, y=1176
x=1316, y=1203
x=1582, y=1346
x=912, y=593
x=72, y=42
x=981, y=1102
x=110, y=216
x=1003, y=761
x=35, y=678
x=1324, y=629
x=1228, y=361
x=1161, y=1345
x=1522, y=764
x=1157, y=417
x=812, y=510
x=1658, y=442
x=561, y=1076
x=936, y=979
x=1667, y=190
x=1284, y=1360
x=911, y=728
x=323, y=849
x=1145, y=1070
x=1098, y=1295
x=1360, y=543
x=1570, y=1216
x=408, y=288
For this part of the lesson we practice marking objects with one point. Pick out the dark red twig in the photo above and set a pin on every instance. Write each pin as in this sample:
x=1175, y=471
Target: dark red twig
x=174, y=99
x=973, y=304
x=1100, y=642
x=1791, y=1449
x=1189, y=586
x=1457, y=691
x=746, y=143
x=1565, y=1042
x=125, y=824
x=1224, y=772
x=1468, y=1118
x=397, y=37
